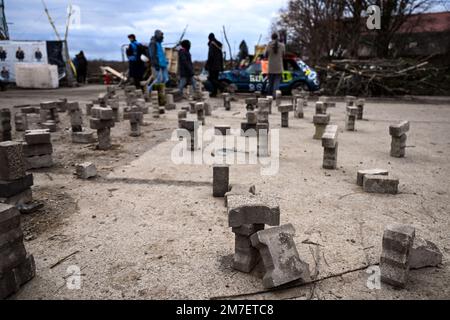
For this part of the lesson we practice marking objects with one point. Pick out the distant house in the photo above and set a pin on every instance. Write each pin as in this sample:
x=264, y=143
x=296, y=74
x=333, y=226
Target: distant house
x=421, y=35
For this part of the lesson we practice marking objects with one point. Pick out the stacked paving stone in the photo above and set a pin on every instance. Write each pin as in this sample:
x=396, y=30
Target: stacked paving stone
x=114, y=104
x=182, y=115
x=263, y=110
x=79, y=134
x=399, y=137
x=327, y=102
x=89, y=107
x=136, y=117
x=350, y=118
x=15, y=183
x=49, y=115
x=200, y=110
x=395, y=257
x=330, y=145
x=248, y=128
x=350, y=100
x=20, y=121
x=284, y=109
x=62, y=105
x=189, y=131
x=237, y=189
x=300, y=102
x=155, y=104
x=377, y=181
x=320, y=122
x=280, y=256
x=251, y=104
x=360, y=105
x=170, y=102
x=221, y=179
x=33, y=117
x=17, y=267
x=102, y=120
x=321, y=107
x=227, y=101
x=247, y=216
x=262, y=135
x=38, y=149
x=5, y=125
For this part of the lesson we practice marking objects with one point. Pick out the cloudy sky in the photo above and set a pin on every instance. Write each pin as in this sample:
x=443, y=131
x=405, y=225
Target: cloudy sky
x=106, y=23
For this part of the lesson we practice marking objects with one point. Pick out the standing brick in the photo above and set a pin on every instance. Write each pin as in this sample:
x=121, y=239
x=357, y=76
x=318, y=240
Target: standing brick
x=395, y=257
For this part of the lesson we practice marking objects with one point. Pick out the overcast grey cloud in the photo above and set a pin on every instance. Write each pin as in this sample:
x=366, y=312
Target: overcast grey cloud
x=106, y=23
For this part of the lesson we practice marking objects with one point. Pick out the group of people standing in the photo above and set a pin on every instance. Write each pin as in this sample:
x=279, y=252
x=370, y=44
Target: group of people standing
x=214, y=65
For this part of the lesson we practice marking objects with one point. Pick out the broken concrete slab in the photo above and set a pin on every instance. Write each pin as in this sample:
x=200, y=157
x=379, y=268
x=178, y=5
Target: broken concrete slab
x=424, y=254
x=280, y=256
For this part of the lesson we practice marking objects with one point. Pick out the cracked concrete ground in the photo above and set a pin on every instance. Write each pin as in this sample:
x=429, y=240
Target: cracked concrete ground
x=150, y=229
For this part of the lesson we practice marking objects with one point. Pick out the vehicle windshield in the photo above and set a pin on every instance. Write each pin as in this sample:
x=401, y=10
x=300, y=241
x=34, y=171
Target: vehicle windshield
x=254, y=68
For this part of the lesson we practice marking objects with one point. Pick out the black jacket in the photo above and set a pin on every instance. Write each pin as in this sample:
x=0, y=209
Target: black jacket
x=215, y=56
x=185, y=64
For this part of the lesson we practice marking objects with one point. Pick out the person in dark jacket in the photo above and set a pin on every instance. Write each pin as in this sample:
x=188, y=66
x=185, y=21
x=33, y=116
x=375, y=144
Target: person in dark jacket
x=3, y=54
x=81, y=67
x=38, y=55
x=136, y=65
x=186, y=68
x=20, y=55
x=214, y=65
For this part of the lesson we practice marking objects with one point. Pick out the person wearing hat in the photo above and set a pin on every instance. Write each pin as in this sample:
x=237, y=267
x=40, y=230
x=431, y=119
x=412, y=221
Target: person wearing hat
x=214, y=64
x=158, y=59
x=186, y=68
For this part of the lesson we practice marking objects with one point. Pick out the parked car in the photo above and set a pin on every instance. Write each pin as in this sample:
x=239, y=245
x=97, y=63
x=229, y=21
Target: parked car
x=297, y=75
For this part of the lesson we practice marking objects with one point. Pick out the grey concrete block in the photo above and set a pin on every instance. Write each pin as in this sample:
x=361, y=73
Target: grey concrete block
x=322, y=119
x=104, y=139
x=395, y=257
x=221, y=180
x=19, y=199
x=102, y=113
x=424, y=254
x=250, y=209
x=84, y=137
x=330, y=157
x=13, y=187
x=38, y=162
x=12, y=163
x=97, y=124
x=25, y=271
x=321, y=108
x=237, y=189
x=86, y=170
x=380, y=184
x=222, y=130
x=400, y=129
x=31, y=150
x=280, y=256
x=373, y=172
x=330, y=136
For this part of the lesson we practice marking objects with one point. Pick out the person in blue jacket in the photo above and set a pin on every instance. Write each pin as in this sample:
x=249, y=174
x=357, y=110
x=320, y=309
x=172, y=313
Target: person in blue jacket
x=136, y=65
x=158, y=59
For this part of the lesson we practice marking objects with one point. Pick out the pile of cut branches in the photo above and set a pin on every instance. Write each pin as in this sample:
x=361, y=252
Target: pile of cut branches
x=384, y=77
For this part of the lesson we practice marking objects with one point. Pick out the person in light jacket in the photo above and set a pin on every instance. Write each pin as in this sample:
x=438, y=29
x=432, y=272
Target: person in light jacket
x=275, y=52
